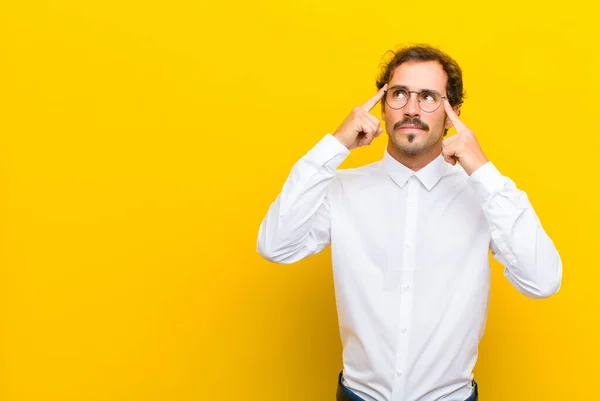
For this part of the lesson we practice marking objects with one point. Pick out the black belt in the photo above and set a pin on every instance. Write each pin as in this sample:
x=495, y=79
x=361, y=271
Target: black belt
x=345, y=394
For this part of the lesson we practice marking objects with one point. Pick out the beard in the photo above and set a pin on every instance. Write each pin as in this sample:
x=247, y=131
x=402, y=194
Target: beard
x=414, y=144
x=410, y=148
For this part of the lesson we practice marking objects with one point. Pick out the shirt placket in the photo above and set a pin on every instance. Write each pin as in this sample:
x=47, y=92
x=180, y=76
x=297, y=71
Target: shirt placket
x=405, y=288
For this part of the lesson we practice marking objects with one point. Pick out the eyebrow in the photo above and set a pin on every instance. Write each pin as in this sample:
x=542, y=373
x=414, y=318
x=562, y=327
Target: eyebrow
x=408, y=89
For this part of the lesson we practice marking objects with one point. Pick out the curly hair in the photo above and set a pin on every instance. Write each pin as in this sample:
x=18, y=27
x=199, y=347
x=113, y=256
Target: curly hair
x=424, y=53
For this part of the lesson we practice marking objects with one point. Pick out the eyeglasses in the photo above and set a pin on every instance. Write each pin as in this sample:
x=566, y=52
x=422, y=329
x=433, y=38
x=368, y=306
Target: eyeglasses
x=429, y=100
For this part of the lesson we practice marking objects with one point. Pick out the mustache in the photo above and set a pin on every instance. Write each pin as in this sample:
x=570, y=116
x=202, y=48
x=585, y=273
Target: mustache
x=411, y=121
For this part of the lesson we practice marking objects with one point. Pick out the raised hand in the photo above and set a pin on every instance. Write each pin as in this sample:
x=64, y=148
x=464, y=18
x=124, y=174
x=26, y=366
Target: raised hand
x=360, y=128
x=462, y=146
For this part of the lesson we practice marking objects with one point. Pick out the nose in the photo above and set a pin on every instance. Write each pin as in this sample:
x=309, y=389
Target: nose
x=412, y=108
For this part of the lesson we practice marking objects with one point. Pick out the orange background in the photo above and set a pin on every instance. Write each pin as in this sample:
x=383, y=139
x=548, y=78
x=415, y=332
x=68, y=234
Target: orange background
x=141, y=143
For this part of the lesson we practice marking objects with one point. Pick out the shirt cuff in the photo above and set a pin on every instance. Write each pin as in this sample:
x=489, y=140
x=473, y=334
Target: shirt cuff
x=329, y=151
x=485, y=181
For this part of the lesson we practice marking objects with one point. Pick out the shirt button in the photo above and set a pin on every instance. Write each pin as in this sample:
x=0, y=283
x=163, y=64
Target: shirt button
x=399, y=373
x=404, y=330
x=407, y=246
x=406, y=287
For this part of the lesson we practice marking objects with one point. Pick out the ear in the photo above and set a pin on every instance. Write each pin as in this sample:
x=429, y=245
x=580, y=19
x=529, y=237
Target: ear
x=449, y=124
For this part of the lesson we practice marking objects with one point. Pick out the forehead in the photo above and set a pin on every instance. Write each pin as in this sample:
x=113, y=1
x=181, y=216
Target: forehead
x=418, y=75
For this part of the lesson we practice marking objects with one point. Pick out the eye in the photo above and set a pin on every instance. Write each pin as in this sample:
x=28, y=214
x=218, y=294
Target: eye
x=429, y=97
x=399, y=94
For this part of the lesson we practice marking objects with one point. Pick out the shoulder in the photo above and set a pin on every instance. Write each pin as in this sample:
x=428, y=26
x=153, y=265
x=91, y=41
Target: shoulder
x=358, y=174
x=456, y=173
x=456, y=181
x=352, y=181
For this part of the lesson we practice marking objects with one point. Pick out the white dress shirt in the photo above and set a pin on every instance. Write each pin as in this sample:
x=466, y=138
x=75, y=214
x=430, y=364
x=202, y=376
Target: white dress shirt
x=410, y=263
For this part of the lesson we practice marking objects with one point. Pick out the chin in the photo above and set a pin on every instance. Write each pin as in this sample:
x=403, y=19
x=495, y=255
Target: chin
x=415, y=147
x=413, y=150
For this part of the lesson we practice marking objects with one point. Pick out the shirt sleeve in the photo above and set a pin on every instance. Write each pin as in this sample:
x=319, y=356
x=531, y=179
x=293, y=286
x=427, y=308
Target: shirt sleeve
x=518, y=241
x=298, y=223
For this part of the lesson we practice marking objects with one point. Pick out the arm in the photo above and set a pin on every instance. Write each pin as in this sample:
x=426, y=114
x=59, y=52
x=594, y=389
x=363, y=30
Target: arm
x=531, y=262
x=297, y=224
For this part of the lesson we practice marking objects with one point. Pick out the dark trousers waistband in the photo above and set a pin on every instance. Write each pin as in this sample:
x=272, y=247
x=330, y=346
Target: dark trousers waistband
x=345, y=394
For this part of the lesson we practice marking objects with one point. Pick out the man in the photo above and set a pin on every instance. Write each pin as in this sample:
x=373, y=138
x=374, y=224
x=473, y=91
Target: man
x=410, y=236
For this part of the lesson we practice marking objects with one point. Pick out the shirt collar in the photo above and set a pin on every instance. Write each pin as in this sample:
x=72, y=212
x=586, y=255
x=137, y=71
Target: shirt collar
x=428, y=175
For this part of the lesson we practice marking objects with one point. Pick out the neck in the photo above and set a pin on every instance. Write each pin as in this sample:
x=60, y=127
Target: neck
x=415, y=161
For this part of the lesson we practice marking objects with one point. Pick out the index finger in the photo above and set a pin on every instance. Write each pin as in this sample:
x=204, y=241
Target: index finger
x=375, y=99
x=459, y=125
